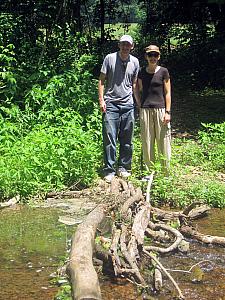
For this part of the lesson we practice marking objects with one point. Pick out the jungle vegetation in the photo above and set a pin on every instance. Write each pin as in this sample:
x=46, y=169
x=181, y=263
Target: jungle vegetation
x=50, y=124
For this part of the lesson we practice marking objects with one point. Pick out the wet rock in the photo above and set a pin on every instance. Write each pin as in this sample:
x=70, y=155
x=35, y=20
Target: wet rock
x=184, y=246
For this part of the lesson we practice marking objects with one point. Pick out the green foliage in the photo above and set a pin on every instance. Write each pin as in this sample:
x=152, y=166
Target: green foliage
x=8, y=82
x=75, y=88
x=209, y=149
x=213, y=133
x=66, y=48
x=50, y=121
x=64, y=293
x=183, y=187
x=194, y=173
x=212, y=140
x=8, y=23
x=53, y=139
x=48, y=157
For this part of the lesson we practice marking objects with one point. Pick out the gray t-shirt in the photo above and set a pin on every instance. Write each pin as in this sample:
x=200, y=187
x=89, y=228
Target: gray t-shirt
x=119, y=78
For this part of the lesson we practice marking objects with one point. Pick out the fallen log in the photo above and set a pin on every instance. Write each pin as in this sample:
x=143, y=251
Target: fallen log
x=140, y=223
x=135, y=198
x=198, y=212
x=83, y=277
x=190, y=213
x=207, y=239
x=116, y=232
x=159, y=235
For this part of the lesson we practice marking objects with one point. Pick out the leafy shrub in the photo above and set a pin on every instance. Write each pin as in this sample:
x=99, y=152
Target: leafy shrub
x=49, y=157
x=54, y=140
x=187, y=152
x=75, y=88
x=212, y=140
x=208, y=150
x=8, y=82
x=183, y=187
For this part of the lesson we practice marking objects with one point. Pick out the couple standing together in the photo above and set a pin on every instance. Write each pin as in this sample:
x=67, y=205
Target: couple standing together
x=119, y=80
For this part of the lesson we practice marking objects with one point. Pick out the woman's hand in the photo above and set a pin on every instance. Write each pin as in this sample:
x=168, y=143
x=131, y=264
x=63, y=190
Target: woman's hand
x=167, y=118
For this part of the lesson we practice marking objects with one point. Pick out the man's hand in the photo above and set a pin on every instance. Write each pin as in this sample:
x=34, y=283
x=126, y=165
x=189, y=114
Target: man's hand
x=102, y=105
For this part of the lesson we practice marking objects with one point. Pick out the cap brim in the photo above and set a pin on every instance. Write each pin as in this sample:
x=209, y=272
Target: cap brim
x=127, y=42
x=153, y=51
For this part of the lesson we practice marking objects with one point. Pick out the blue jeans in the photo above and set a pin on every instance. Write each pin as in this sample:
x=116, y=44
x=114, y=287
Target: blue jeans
x=118, y=123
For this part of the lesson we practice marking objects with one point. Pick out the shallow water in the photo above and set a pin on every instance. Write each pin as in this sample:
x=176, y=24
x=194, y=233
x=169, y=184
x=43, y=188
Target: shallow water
x=32, y=242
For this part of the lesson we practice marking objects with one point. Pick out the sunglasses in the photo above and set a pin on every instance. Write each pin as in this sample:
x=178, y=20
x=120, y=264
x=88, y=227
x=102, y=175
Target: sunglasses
x=153, y=54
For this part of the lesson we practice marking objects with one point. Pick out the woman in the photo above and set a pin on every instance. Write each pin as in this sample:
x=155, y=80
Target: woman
x=155, y=105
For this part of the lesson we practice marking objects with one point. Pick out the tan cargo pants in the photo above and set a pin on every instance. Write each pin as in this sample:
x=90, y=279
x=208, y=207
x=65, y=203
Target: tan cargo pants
x=154, y=130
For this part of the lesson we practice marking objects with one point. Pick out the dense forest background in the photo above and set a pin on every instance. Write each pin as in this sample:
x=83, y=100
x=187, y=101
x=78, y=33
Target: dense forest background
x=50, y=56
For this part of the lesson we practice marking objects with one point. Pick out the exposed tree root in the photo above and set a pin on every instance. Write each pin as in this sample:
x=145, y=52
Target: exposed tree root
x=176, y=233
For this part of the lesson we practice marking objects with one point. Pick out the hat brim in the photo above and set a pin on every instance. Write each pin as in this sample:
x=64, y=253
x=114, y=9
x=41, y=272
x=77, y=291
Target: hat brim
x=152, y=51
x=126, y=42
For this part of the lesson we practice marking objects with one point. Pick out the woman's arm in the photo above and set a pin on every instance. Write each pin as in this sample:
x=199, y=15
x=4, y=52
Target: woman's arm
x=167, y=92
x=137, y=91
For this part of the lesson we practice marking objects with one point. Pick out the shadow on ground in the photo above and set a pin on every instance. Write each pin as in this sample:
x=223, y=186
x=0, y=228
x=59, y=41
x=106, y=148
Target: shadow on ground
x=190, y=109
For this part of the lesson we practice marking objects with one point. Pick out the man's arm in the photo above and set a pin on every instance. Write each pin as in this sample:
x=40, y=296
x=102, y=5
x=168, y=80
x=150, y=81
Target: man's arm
x=167, y=90
x=101, y=92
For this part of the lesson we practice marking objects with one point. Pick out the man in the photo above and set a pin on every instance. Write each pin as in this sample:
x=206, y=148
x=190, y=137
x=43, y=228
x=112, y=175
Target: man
x=117, y=82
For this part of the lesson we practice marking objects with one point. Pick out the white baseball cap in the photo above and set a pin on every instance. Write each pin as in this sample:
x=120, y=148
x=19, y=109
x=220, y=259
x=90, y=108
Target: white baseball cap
x=126, y=38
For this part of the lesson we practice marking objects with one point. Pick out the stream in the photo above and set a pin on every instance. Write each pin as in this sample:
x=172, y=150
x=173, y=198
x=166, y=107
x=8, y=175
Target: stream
x=33, y=244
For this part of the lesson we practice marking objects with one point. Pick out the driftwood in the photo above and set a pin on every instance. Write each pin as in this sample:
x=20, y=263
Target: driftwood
x=207, y=239
x=113, y=250
x=192, y=213
x=140, y=224
x=165, y=272
x=158, y=282
x=159, y=235
x=133, y=218
x=71, y=194
x=10, y=202
x=84, y=279
x=176, y=233
x=135, y=198
x=130, y=259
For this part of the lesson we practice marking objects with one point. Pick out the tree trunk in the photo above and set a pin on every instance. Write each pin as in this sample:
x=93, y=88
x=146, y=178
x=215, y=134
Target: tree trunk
x=102, y=20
